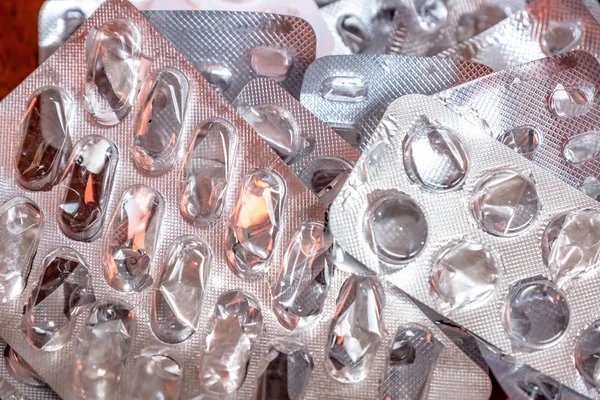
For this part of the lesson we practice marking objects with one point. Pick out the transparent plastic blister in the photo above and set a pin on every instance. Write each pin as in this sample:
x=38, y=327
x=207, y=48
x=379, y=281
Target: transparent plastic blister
x=425, y=28
x=542, y=29
x=350, y=93
x=420, y=240
x=230, y=48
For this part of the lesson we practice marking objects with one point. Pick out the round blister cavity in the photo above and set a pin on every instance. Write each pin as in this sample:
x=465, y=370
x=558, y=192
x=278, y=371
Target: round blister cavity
x=522, y=139
x=396, y=228
x=505, y=203
x=561, y=37
x=436, y=159
x=536, y=314
x=464, y=273
x=587, y=354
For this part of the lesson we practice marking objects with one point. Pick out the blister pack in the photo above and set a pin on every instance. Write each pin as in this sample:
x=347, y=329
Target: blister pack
x=425, y=28
x=544, y=28
x=554, y=123
x=162, y=245
x=479, y=233
x=351, y=93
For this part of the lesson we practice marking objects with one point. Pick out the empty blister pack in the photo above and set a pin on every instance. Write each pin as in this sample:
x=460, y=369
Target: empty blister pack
x=351, y=93
x=463, y=224
x=554, y=123
x=316, y=154
x=544, y=28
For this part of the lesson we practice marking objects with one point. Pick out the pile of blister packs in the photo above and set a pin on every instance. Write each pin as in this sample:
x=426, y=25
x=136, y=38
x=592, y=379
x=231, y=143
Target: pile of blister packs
x=344, y=199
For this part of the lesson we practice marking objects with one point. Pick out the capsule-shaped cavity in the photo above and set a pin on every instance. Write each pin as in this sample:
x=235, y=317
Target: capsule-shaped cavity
x=435, y=158
x=131, y=237
x=100, y=350
x=255, y=222
x=178, y=295
x=571, y=245
x=219, y=76
x=325, y=176
x=277, y=127
x=505, y=203
x=63, y=289
x=303, y=281
x=411, y=359
x=587, y=354
x=353, y=32
x=571, y=101
x=582, y=148
x=431, y=15
x=21, y=226
x=464, y=273
x=45, y=142
x=536, y=315
x=284, y=371
x=269, y=62
x=89, y=180
x=522, y=139
x=561, y=37
x=21, y=370
x=356, y=330
x=113, y=61
x=206, y=172
x=235, y=327
x=349, y=89
x=158, y=375
x=157, y=131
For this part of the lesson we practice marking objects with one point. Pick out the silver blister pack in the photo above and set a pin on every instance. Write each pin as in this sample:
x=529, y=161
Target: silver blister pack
x=351, y=93
x=544, y=28
x=479, y=233
x=425, y=28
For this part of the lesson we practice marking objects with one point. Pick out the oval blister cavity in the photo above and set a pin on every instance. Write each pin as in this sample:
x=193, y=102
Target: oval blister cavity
x=356, y=330
x=113, y=61
x=46, y=143
x=587, y=354
x=464, y=272
x=255, y=222
x=431, y=15
x=178, y=296
x=235, y=327
x=269, y=62
x=100, y=350
x=395, y=228
x=157, y=130
x=354, y=33
x=158, y=375
x=350, y=89
x=325, y=176
x=435, y=158
x=303, y=281
x=206, y=171
x=582, y=148
x=21, y=226
x=131, y=237
x=571, y=245
x=505, y=203
x=276, y=126
x=522, y=139
x=90, y=175
x=63, y=289
x=219, y=76
x=571, y=101
x=591, y=187
x=284, y=371
x=561, y=37
x=21, y=370
x=536, y=315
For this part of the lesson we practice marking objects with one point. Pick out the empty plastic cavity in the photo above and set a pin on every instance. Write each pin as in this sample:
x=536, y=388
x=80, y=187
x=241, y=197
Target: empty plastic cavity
x=157, y=130
x=21, y=370
x=352, y=89
x=561, y=37
x=354, y=33
x=89, y=179
x=571, y=101
x=269, y=62
x=220, y=77
x=113, y=61
x=255, y=222
x=395, y=228
x=131, y=237
x=536, y=315
x=431, y=15
x=45, y=143
x=591, y=187
x=522, y=139
x=582, y=148
x=158, y=375
x=180, y=290
x=505, y=203
x=206, y=171
x=325, y=176
x=587, y=354
x=21, y=226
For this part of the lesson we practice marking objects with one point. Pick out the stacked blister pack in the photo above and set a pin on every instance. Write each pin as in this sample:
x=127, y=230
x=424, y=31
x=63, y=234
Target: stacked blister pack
x=194, y=206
